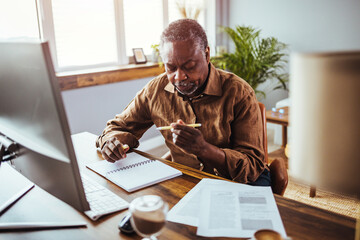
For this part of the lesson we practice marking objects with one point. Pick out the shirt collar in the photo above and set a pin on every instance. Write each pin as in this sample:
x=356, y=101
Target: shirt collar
x=213, y=87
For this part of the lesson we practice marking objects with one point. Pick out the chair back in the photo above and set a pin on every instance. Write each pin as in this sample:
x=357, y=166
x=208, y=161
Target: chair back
x=263, y=117
x=278, y=171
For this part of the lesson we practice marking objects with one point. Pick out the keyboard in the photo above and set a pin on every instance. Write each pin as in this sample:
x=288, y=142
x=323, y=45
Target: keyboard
x=101, y=200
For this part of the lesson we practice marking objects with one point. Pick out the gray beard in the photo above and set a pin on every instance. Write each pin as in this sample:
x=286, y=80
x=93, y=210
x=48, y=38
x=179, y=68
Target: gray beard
x=184, y=84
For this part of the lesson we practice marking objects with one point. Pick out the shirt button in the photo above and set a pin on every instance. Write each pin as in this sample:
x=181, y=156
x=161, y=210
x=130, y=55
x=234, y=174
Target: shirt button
x=201, y=95
x=201, y=166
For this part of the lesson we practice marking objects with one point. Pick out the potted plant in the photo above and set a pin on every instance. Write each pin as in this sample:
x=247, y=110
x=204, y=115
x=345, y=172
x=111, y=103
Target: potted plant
x=255, y=59
x=156, y=53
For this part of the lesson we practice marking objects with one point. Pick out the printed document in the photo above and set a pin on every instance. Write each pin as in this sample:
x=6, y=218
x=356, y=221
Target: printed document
x=226, y=209
x=186, y=211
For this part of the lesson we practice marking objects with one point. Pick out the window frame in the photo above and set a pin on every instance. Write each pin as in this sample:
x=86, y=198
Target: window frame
x=47, y=30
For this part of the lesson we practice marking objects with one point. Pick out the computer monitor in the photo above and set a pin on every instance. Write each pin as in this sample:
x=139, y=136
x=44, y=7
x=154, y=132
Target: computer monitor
x=32, y=114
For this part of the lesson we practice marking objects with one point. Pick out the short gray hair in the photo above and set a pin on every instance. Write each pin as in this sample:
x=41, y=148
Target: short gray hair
x=182, y=30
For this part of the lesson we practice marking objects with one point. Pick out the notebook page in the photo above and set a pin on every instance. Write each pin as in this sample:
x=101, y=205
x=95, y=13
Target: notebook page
x=134, y=172
x=105, y=167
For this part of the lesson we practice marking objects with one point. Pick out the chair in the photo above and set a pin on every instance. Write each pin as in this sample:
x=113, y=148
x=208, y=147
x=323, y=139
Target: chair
x=278, y=171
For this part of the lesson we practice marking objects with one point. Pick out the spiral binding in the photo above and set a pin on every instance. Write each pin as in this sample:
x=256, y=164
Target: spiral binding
x=130, y=166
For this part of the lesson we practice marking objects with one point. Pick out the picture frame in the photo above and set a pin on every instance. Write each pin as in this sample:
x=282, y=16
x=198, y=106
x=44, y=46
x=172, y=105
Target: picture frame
x=139, y=55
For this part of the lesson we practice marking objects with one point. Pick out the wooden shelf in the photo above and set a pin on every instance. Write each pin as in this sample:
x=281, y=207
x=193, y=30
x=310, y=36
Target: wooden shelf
x=79, y=79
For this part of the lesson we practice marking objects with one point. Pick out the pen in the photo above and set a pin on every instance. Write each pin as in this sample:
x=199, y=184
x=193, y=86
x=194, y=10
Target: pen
x=124, y=146
x=40, y=225
x=170, y=127
x=15, y=198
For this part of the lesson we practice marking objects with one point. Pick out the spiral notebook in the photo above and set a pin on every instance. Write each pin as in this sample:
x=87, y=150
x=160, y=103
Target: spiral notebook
x=134, y=172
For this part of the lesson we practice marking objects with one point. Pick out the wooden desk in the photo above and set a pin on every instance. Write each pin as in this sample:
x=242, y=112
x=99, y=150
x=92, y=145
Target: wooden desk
x=301, y=221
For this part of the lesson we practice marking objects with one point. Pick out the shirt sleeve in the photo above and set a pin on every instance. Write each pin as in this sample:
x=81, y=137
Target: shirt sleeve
x=129, y=125
x=245, y=160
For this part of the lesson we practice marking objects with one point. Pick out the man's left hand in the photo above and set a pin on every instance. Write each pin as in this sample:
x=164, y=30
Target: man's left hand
x=188, y=138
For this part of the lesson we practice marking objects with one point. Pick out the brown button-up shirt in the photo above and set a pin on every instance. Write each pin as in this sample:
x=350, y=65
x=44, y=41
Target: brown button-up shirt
x=227, y=110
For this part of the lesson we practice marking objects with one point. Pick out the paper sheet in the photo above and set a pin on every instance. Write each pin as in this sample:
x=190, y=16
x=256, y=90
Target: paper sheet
x=187, y=210
x=226, y=209
x=230, y=211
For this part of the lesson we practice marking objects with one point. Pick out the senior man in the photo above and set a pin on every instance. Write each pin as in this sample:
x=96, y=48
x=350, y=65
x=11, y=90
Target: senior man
x=229, y=141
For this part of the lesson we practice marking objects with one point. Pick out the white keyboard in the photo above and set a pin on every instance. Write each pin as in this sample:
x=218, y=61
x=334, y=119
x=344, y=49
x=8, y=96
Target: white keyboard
x=101, y=200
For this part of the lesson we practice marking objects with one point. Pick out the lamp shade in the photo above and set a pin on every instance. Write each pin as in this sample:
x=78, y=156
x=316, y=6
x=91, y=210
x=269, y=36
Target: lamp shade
x=325, y=120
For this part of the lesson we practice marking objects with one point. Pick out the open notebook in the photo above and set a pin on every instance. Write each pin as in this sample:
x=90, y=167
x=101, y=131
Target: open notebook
x=134, y=172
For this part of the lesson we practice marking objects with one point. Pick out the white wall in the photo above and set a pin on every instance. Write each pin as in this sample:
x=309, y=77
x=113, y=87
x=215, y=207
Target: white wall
x=88, y=109
x=305, y=25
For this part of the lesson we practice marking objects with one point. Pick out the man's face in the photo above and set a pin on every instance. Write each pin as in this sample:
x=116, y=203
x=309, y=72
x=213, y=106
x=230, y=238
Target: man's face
x=186, y=65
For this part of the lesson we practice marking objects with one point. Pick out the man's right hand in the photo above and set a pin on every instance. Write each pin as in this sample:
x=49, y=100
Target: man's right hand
x=114, y=150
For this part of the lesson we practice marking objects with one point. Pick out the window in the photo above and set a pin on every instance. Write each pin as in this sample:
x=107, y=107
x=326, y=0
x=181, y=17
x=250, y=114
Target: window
x=84, y=32
x=95, y=33
x=18, y=22
x=144, y=23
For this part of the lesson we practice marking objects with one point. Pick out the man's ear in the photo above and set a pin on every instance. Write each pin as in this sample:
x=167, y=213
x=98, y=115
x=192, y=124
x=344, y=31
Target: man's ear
x=207, y=54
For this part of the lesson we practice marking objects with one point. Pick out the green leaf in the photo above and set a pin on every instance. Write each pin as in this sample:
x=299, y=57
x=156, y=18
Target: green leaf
x=254, y=59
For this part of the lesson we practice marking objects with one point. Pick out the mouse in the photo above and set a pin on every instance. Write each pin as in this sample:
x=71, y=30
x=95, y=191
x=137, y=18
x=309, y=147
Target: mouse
x=125, y=224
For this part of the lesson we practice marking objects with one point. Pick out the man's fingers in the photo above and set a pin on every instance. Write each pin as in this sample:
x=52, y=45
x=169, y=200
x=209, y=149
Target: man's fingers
x=105, y=152
x=183, y=140
x=110, y=160
x=183, y=128
x=189, y=139
x=122, y=149
x=184, y=133
x=179, y=121
x=182, y=143
x=115, y=150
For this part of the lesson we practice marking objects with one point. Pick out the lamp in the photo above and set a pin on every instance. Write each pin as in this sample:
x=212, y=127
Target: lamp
x=325, y=119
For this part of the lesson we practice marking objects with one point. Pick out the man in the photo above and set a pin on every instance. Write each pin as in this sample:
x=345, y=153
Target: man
x=229, y=141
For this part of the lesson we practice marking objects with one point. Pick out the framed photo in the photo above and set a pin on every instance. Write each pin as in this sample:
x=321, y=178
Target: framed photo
x=139, y=55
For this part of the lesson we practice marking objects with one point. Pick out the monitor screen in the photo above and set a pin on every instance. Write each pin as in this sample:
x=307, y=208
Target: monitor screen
x=32, y=114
